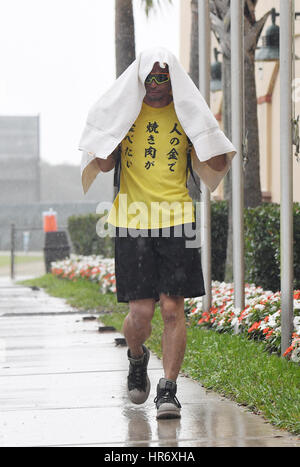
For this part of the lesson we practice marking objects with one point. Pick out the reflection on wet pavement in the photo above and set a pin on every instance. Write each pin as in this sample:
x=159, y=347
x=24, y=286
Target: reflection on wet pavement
x=62, y=383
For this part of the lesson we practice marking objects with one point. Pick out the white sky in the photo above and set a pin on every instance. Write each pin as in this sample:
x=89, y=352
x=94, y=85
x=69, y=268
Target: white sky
x=58, y=57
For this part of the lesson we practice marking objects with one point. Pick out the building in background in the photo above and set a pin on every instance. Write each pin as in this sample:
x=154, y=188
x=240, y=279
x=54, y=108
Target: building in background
x=28, y=186
x=268, y=99
x=19, y=159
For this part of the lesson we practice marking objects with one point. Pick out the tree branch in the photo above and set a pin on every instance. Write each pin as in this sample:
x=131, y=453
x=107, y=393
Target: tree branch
x=253, y=32
x=250, y=7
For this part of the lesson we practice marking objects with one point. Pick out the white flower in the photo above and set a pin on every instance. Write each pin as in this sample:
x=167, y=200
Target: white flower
x=295, y=356
x=297, y=323
x=296, y=304
x=263, y=325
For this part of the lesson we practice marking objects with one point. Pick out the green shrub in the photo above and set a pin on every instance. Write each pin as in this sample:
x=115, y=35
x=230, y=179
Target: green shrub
x=262, y=229
x=219, y=232
x=262, y=245
x=82, y=230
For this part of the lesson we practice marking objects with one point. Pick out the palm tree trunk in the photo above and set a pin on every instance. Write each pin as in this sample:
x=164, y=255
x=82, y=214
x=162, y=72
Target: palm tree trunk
x=194, y=74
x=124, y=40
x=252, y=173
x=124, y=35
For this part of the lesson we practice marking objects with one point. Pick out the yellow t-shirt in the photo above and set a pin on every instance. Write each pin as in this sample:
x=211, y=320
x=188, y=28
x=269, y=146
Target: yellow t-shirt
x=153, y=192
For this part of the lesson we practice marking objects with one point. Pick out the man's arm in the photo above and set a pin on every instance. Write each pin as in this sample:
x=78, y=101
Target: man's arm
x=105, y=165
x=217, y=163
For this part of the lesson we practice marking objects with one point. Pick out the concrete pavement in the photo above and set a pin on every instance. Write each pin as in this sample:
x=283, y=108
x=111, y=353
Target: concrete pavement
x=62, y=383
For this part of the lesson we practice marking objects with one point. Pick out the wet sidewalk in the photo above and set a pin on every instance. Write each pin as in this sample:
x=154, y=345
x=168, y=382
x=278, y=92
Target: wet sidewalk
x=62, y=383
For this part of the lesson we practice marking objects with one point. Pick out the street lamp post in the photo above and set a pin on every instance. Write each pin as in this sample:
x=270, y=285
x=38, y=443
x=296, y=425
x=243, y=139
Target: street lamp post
x=237, y=92
x=286, y=172
x=204, y=85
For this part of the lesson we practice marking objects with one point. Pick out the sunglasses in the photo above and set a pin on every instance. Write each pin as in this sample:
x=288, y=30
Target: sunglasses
x=159, y=78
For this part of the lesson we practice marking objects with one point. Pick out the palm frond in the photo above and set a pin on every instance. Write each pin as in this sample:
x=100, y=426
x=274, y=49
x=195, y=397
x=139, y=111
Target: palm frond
x=151, y=5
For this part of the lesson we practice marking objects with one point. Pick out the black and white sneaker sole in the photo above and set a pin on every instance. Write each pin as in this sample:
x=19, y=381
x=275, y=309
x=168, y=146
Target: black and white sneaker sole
x=168, y=411
x=139, y=397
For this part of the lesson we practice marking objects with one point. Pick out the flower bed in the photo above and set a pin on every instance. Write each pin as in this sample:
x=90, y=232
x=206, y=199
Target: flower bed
x=94, y=268
x=260, y=319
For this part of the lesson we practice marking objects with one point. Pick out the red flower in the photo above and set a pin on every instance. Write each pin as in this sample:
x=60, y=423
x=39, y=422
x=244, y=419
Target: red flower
x=254, y=326
x=288, y=350
x=242, y=315
x=297, y=294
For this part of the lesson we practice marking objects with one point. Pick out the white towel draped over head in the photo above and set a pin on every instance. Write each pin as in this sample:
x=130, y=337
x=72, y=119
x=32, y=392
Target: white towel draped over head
x=111, y=117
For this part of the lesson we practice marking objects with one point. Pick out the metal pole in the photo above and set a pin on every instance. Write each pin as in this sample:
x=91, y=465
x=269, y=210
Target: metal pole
x=38, y=162
x=286, y=173
x=204, y=86
x=12, y=251
x=237, y=90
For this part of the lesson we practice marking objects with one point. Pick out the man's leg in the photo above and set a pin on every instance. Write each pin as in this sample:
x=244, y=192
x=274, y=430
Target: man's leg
x=137, y=325
x=174, y=335
x=137, y=329
x=173, y=347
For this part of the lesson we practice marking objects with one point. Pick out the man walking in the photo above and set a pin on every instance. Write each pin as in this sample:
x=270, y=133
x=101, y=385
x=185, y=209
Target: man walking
x=152, y=263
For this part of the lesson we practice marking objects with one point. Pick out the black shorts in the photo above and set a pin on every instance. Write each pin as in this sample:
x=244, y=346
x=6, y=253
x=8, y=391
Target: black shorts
x=146, y=266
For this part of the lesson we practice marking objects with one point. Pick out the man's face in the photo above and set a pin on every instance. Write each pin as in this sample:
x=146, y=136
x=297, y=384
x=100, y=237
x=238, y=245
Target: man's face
x=157, y=92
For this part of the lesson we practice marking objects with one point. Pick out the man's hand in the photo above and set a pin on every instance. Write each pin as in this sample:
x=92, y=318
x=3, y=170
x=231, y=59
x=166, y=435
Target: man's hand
x=217, y=163
x=108, y=164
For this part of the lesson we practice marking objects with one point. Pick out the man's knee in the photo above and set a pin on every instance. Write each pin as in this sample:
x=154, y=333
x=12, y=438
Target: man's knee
x=141, y=311
x=172, y=308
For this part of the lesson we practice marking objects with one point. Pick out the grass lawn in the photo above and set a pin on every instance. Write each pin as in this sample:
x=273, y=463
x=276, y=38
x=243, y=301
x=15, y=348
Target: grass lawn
x=5, y=260
x=231, y=365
